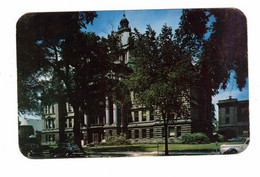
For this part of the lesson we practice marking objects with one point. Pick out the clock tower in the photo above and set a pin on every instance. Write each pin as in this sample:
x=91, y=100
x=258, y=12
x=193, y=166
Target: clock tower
x=124, y=31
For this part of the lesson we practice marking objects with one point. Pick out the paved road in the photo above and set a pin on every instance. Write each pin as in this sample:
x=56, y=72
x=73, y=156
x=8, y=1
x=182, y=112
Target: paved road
x=136, y=154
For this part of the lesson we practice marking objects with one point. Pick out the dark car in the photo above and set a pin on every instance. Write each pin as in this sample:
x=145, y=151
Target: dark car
x=67, y=150
x=31, y=150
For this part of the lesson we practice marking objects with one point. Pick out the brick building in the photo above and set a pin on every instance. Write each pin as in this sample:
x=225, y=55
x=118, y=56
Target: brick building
x=234, y=118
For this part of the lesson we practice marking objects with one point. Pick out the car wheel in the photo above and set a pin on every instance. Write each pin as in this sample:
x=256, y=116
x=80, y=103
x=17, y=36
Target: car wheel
x=231, y=151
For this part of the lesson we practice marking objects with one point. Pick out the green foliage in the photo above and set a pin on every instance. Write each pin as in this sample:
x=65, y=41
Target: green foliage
x=119, y=140
x=221, y=138
x=195, y=138
x=39, y=36
x=161, y=77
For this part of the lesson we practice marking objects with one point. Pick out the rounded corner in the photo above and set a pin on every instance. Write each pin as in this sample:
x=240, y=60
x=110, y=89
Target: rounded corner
x=23, y=17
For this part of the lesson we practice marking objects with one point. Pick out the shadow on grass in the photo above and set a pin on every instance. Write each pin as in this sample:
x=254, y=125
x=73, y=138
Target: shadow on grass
x=121, y=148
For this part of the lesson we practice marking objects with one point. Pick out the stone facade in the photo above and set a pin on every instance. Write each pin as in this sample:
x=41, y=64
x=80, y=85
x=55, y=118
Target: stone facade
x=234, y=118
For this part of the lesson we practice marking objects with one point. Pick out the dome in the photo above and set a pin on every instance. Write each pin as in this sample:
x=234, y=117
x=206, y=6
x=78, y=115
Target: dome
x=124, y=22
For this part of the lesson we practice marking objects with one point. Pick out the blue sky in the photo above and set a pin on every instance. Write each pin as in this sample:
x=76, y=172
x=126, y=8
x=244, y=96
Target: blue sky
x=109, y=20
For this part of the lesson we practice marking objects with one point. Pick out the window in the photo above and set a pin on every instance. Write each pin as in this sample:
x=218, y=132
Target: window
x=136, y=133
x=46, y=123
x=52, y=109
x=227, y=110
x=151, y=115
x=136, y=116
x=69, y=108
x=143, y=133
x=50, y=137
x=129, y=134
x=178, y=131
x=53, y=123
x=70, y=122
x=53, y=137
x=172, y=132
x=227, y=120
x=143, y=115
x=151, y=133
x=48, y=109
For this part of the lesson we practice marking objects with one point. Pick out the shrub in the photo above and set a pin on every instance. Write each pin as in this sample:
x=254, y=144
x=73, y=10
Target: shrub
x=195, y=138
x=187, y=138
x=119, y=140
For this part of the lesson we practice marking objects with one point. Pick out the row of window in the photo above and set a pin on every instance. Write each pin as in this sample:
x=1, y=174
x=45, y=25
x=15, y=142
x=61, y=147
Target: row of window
x=50, y=123
x=51, y=109
x=136, y=134
x=144, y=116
x=172, y=132
x=50, y=137
x=68, y=123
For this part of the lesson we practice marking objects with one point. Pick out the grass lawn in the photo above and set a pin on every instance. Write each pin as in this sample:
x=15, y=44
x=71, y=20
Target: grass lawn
x=153, y=147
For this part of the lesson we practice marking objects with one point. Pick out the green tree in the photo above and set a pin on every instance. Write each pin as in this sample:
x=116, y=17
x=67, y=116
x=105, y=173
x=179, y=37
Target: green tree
x=218, y=46
x=72, y=66
x=161, y=77
x=40, y=38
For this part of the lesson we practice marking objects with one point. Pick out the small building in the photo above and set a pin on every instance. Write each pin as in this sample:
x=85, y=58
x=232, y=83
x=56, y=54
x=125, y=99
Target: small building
x=36, y=123
x=233, y=118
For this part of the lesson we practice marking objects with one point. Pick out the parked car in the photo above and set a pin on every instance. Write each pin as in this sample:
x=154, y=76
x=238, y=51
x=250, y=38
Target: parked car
x=234, y=148
x=67, y=150
x=31, y=150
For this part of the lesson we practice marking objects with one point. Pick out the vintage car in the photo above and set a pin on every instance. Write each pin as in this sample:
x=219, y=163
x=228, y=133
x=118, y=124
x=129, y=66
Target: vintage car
x=67, y=150
x=234, y=148
x=31, y=150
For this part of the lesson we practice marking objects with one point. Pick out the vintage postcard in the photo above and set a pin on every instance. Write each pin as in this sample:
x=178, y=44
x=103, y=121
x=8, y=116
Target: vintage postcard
x=132, y=83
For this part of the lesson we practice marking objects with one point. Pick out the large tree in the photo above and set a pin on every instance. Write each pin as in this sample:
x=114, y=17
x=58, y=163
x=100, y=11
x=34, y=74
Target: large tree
x=46, y=50
x=217, y=41
x=161, y=77
x=37, y=34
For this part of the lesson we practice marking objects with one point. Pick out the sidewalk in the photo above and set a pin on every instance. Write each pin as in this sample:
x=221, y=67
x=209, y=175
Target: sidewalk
x=137, y=154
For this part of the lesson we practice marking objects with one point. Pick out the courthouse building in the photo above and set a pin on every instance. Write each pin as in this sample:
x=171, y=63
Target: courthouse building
x=139, y=124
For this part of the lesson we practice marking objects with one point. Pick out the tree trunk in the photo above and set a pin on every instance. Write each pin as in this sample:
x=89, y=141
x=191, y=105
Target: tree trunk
x=165, y=122
x=76, y=128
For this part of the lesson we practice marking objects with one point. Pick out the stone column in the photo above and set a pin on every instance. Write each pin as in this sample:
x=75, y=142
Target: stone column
x=107, y=111
x=115, y=113
x=86, y=119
